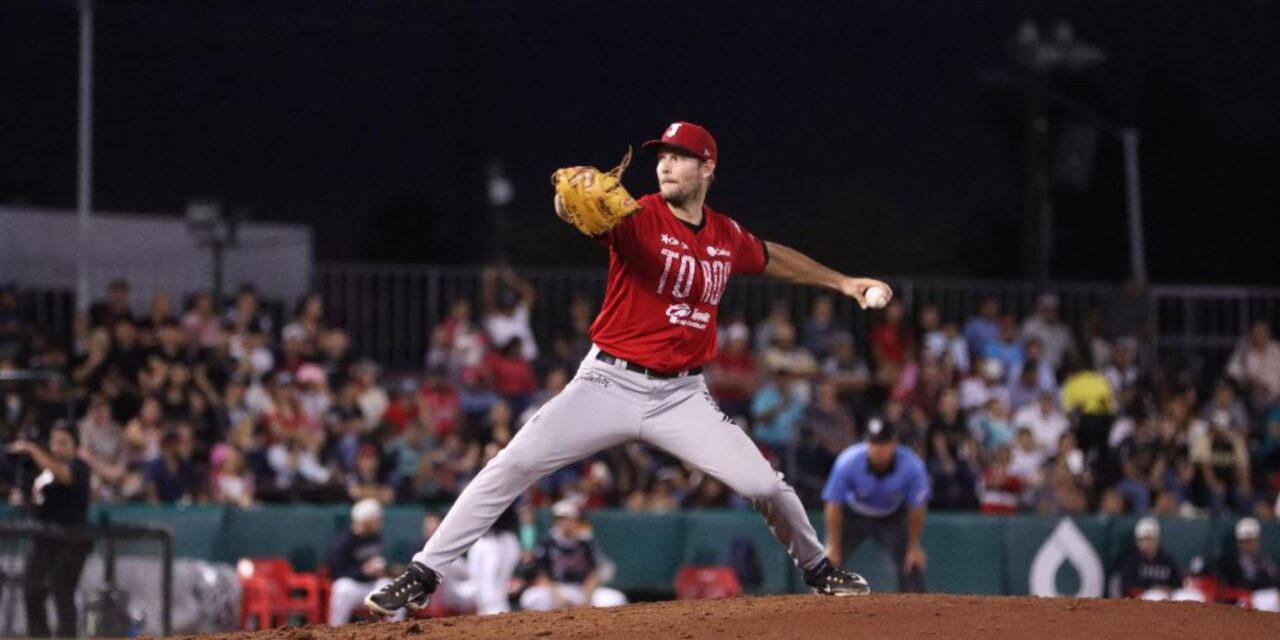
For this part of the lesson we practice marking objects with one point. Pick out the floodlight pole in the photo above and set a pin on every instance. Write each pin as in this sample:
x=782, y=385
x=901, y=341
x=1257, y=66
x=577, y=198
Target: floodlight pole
x=84, y=187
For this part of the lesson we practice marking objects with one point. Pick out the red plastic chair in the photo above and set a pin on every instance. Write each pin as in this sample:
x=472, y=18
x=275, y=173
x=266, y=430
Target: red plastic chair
x=271, y=584
x=702, y=583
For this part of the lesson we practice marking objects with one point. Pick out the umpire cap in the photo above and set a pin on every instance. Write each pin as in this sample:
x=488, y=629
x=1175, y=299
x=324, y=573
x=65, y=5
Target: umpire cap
x=879, y=431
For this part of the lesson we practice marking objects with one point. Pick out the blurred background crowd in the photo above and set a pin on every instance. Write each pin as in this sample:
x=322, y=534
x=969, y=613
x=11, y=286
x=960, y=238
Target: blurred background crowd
x=179, y=401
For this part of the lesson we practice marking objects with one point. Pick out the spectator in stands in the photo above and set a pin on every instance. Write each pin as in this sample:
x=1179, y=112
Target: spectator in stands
x=892, y=344
x=431, y=483
x=952, y=457
x=581, y=315
x=142, y=434
x=849, y=374
x=983, y=328
x=127, y=356
x=1248, y=569
x=1091, y=402
x=986, y=382
x=251, y=353
x=1025, y=388
x=779, y=314
x=201, y=323
x=438, y=403
x=819, y=328
x=1027, y=459
x=102, y=449
x=1123, y=371
x=115, y=308
x=732, y=375
x=1255, y=365
x=368, y=480
x=172, y=478
x=1006, y=348
x=513, y=377
x=1061, y=493
x=61, y=497
x=356, y=563
x=1001, y=489
x=567, y=567
x=1045, y=422
x=231, y=483
x=942, y=340
x=783, y=352
x=246, y=314
x=1148, y=572
x=295, y=467
x=992, y=427
x=334, y=356
x=776, y=409
x=1222, y=468
x=91, y=368
x=825, y=430
x=371, y=397
x=308, y=320
x=508, y=300
x=1033, y=359
x=159, y=314
x=1053, y=335
x=1225, y=401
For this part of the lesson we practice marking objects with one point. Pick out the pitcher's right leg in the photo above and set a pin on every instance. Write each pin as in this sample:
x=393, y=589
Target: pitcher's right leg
x=580, y=421
x=597, y=410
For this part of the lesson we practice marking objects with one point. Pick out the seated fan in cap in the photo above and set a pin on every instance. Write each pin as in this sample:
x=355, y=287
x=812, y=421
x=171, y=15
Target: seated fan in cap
x=356, y=563
x=1148, y=572
x=568, y=575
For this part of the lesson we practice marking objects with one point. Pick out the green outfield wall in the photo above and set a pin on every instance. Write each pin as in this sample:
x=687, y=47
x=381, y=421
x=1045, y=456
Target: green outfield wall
x=968, y=553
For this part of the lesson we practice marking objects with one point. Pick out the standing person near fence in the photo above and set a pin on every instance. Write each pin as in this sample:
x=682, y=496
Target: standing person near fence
x=60, y=495
x=670, y=257
x=878, y=489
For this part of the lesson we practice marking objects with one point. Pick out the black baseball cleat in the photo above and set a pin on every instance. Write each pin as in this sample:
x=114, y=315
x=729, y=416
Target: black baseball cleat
x=411, y=590
x=829, y=580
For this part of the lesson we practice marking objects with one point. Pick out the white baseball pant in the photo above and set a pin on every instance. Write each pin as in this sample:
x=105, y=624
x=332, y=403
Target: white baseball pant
x=606, y=405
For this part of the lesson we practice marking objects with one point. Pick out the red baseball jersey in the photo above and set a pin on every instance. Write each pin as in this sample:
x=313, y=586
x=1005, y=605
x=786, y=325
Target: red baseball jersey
x=665, y=283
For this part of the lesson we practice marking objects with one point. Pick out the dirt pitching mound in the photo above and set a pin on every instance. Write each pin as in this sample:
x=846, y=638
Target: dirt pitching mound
x=807, y=616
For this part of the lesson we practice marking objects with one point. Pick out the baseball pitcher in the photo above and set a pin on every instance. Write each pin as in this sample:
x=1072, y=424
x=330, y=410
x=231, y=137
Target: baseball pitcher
x=670, y=259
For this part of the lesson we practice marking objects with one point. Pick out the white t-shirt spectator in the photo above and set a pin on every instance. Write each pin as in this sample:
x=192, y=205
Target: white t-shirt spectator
x=1027, y=464
x=502, y=328
x=1053, y=336
x=1046, y=429
x=1258, y=368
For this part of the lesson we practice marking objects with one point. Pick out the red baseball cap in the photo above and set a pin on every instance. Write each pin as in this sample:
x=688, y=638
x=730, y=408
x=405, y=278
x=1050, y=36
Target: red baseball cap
x=688, y=137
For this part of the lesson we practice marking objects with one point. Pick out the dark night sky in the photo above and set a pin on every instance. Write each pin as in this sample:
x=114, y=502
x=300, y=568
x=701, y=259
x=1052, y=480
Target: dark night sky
x=858, y=130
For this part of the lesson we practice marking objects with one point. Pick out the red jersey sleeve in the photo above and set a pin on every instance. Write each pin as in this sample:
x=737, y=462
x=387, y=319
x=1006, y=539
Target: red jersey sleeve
x=751, y=255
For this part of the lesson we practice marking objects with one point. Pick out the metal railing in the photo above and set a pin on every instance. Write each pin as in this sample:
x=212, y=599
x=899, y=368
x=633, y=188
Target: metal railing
x=390, y=309
x=109, y=542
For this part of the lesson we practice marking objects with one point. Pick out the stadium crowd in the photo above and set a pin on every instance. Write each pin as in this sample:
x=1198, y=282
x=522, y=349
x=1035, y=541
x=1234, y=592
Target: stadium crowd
x=236, y=405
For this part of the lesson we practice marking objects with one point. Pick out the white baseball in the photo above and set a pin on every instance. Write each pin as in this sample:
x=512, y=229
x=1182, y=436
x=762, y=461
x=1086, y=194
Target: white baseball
x=876, y=297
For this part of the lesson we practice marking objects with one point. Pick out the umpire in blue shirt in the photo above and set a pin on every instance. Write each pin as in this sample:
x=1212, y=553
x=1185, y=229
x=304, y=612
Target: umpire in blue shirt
x=878, y=489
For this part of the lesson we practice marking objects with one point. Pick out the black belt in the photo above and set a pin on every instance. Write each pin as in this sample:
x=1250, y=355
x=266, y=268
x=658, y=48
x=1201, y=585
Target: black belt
x=609, y=358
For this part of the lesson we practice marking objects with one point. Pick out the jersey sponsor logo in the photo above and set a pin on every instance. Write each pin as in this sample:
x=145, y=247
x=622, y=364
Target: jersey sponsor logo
x=717, y=251
x=715, y=275
x=686, y=316
x=675, y=242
